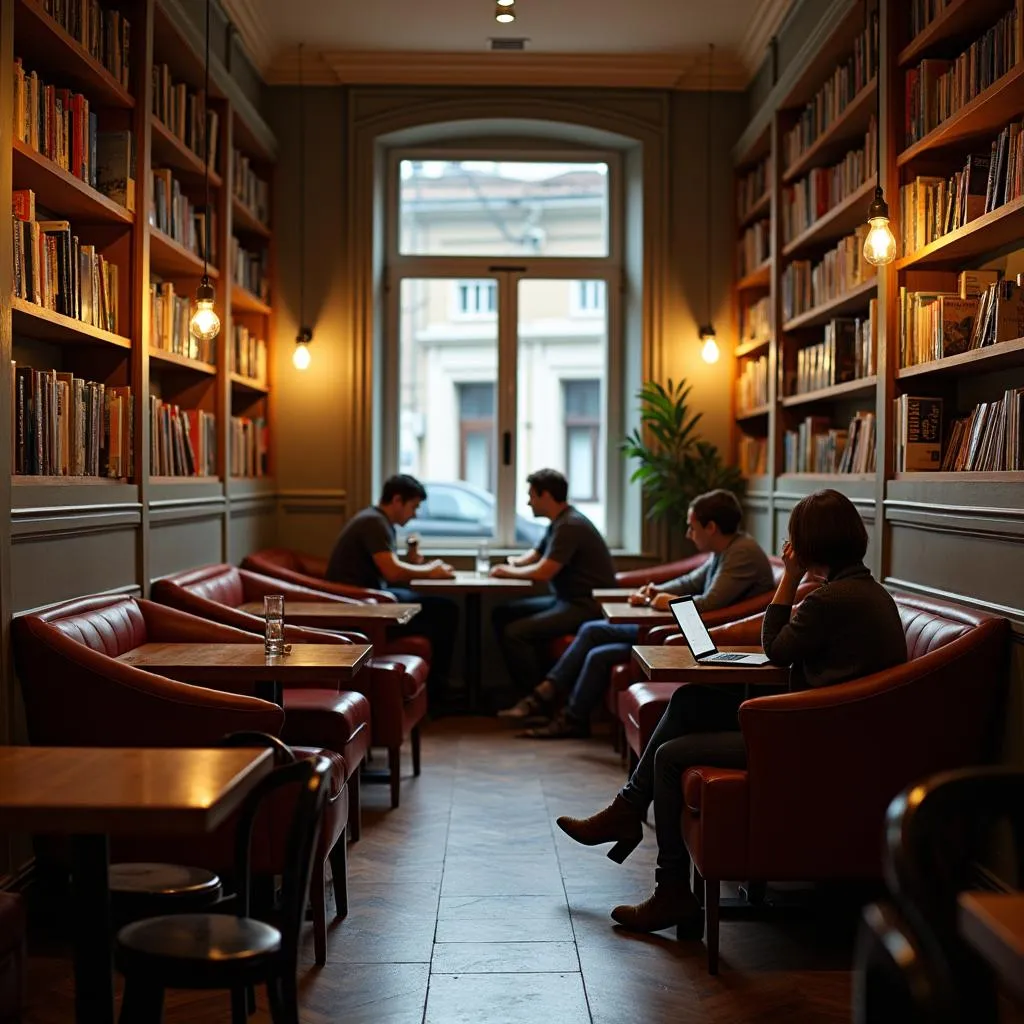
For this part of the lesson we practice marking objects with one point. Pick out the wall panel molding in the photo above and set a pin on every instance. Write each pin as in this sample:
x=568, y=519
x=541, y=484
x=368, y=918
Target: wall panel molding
x=54, y=520
x=178, y=510
x=1004, y=524
x=1014, y=614
x=129, y=590
x=303, y=501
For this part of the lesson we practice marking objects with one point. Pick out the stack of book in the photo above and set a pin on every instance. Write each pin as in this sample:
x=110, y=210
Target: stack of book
x=752, y=384
x=859, y=456
x=170, y=318
x=250, y=189
x=990, y=439
x=937, y=89
x=181, y=442
x=835, y=95
x=756, y=321
x=172, y=212
x=917, y=433
x=55, y=271
x=248, y=446
x=754, y=247
x=182, y=112
x=248, y=354
x=846, y=353
x=806, y=285
x=102, y=31
x=753, y=456
x=66, y=426
x=250, y=270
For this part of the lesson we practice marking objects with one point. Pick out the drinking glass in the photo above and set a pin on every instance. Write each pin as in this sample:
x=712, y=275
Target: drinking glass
x=273, y=614
x=483, y=561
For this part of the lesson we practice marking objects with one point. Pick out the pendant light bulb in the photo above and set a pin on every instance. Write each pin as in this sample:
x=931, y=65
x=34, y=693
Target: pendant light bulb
x=301, y=357
x=709, y=344
x=880, y=244
x=505, y=14
x=204, y=324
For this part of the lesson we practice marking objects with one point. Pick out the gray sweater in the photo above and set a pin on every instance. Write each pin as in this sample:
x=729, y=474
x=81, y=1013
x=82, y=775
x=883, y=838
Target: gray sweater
x=742, y=570
x=847, y=628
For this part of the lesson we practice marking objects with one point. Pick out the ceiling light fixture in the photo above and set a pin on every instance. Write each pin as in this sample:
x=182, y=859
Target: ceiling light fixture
x=880, y=244
x=505, y=13
x=506, y=3
x=204, y=324
x=709, y=342
x=301, y=357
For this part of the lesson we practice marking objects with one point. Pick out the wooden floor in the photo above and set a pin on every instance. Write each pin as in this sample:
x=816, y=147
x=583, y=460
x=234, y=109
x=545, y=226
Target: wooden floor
x=469, y=905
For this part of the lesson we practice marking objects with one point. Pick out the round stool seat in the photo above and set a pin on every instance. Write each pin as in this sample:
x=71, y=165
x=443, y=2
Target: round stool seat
x=159, y=887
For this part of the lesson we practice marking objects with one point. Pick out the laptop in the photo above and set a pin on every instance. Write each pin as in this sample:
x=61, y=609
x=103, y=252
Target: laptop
x=702, y=647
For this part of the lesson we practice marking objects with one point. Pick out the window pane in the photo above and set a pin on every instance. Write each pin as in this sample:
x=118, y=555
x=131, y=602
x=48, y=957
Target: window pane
x=503, y=208
x=562, y=365
x=447, y=430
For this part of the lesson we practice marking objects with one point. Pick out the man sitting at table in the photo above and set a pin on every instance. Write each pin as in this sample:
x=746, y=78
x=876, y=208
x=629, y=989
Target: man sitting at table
x=737, y=569
x=365, y=555
x=573, y=557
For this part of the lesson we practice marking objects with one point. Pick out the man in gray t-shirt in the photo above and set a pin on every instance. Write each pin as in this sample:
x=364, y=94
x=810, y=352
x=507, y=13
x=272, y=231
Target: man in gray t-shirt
x=574, y=559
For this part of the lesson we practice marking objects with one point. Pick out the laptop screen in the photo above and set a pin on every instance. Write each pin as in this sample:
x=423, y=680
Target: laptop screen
x=692, y=626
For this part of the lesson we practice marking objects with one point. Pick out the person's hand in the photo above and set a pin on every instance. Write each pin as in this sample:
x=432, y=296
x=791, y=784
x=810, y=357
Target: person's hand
x=511, y=559
x=791, y=562
x=642, y=596
x=440, y=571
x=413, y=556
x=500, y=572
x=660, y=602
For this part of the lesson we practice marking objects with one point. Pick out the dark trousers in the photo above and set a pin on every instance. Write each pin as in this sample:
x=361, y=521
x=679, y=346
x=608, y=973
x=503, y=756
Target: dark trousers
x=438, y=621
x=525, y=628
x=700, y=726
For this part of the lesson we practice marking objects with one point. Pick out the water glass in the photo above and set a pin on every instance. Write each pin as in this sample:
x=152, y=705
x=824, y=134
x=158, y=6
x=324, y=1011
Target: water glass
x=273, y=614
x=483, y=561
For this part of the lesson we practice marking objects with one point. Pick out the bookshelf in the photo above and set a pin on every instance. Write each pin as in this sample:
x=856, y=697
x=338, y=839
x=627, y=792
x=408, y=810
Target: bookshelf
x=988, y=372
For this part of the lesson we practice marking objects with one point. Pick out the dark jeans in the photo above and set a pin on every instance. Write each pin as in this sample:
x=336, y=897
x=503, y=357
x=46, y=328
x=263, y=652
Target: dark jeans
x=583, y=671
x=438, y=621
x=700, y=726
x=525, y=627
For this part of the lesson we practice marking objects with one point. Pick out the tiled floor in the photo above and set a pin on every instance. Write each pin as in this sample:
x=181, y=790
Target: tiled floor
x=469, y=905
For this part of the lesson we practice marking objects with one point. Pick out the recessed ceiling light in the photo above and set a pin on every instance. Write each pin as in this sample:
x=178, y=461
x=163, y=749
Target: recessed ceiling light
x=504, y=14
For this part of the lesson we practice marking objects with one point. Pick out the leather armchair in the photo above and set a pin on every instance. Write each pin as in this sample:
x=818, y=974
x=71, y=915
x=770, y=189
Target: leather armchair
x=307, y=571
x=394, y=682
x=823, y=764
x=77, y=694
x=660, y=573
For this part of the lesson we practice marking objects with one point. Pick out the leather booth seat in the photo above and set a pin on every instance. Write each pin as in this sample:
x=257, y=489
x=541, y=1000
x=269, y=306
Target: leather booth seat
x=395, y=682
x=77, y=694
x=307, y=571
x=823, y=764
x=12, y=957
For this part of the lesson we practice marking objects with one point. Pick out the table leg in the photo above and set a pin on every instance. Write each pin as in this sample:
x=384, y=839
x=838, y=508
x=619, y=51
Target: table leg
x=90, y=905
x=474, y=646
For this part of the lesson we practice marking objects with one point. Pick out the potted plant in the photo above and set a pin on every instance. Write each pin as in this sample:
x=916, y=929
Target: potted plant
x=675, y=463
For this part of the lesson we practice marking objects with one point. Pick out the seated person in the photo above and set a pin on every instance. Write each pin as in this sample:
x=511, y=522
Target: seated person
x=365, y=555
x=847, y=628
x=574, y=558
x=737, y=569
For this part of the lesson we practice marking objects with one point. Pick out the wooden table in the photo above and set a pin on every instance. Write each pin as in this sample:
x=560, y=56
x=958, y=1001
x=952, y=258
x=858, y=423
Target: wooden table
x=993, y=924
x=621, y=613
x=372, y=619
x=219, y=664
x=92, y=793
x=676, y=665
x=472, y=588
x=613, y=594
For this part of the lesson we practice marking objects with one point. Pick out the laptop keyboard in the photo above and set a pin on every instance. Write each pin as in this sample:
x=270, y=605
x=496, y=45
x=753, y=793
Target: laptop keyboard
x=728, y=657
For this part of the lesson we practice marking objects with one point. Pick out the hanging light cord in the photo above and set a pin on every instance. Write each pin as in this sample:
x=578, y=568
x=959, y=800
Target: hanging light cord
x=302, y=198
x=707, y=274
x=209, y=146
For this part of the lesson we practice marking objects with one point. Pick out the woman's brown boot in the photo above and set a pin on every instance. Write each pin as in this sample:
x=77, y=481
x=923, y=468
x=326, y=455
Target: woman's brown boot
x=671, y=905
x=620, y=823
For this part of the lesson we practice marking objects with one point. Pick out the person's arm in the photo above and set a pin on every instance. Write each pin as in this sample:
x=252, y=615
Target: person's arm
x=738, y=573
x=558, y=546
x=789, y=636
x=541, y=571
x=690, y=583
x=530, y=557
x=394, y=570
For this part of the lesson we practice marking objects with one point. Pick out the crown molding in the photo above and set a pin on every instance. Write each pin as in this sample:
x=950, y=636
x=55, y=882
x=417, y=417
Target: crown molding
x=765, y=23
x=681, y=71
x=249, y=23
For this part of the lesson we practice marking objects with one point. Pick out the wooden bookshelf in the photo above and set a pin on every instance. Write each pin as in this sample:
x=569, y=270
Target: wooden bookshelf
x=244, y=301
x=159, y=355
x=842, y=135
x=250, y=384
x=848, y=389
x=939, y=477
x=30, y=320
x=839, y=221
x=848, y=302
x=958, y=20
x=246, y=221
x=759, y=278
x=751, y=347
x=753, y=413
x=982, y=360
x=170, y=151
x=170, y=258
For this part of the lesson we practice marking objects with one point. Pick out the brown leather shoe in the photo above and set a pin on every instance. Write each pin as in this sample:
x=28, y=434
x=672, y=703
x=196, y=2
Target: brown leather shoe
x=618, y=823
x=562, y=727
x=671, y=905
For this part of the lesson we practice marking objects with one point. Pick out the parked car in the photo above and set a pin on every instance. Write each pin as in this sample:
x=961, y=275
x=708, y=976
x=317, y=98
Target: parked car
x=457, y=509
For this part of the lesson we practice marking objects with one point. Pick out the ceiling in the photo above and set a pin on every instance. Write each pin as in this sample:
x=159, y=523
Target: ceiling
x=654, y=43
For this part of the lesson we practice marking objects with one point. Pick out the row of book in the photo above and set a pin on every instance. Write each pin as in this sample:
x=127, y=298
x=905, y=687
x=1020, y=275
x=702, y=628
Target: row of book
x=183, y=112
x=936, y=89
x=810, y=198
x=752, y=456
x=750, y=188
x=248, y=354
x=248, y=446
x=756, y=321
x=806, y=285
x=931, y=206
x=847, y=352
x=752, y=384
x=67, y=426
x=170, y=315
x=53, y=269
x=103, y=32
x=917, y=434
x=182, y=442
x=818, y=447
x=924, y=12
x=754, y=248
x=990, y=439
x=173, y=213
x=250, y=189
x=249, y=269
x=835, y=94
x=961, y=313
